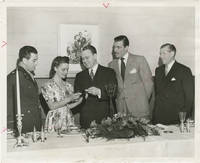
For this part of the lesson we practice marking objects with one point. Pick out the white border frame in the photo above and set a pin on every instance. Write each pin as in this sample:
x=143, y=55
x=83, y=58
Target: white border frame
x=96, y=3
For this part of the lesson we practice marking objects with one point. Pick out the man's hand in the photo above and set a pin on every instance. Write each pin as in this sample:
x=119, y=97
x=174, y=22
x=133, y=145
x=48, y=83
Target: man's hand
x=94, y=91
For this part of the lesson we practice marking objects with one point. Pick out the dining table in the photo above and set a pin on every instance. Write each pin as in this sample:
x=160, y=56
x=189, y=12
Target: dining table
x=73, y=147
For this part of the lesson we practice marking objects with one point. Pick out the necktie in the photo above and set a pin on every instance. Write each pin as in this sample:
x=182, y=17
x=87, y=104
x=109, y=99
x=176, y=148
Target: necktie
x=92, y=74
x=123, y=68
x=166, y=70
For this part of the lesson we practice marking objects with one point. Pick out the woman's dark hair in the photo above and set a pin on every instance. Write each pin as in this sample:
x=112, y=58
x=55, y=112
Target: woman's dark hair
x=56, y=62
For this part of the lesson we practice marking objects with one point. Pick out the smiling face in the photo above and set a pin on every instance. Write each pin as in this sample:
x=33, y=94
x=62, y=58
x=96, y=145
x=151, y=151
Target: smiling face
x=62, y=70
x=166, y=55
x=31, y=63
x=88, y=59
x=119, y=49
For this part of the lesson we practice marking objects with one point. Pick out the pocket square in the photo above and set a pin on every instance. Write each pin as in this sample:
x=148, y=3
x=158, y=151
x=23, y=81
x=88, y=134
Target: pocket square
x=133, y=71
x=173, y=79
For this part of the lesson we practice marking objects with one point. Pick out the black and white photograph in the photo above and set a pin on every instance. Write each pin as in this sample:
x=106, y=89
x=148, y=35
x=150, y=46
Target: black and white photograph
x=100, y=81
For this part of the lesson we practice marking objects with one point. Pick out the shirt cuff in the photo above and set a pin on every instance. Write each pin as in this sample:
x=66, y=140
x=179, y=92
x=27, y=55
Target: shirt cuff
x=99, y=94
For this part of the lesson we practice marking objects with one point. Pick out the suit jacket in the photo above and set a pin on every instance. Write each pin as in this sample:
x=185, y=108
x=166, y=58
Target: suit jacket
x=29, y=101
x=94, y=108
x=174, y=93
x=135, y=91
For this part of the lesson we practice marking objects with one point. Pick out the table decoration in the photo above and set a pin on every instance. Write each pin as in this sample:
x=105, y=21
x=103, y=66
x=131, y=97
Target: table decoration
x=121, y=126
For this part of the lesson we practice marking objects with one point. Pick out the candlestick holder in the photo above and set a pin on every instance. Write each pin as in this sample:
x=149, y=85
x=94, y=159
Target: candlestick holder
x=34, y=135
x=110, y=90
x=21, y=141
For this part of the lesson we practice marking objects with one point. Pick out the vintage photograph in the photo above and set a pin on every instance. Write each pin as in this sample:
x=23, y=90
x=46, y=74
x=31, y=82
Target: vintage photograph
x=110, y=84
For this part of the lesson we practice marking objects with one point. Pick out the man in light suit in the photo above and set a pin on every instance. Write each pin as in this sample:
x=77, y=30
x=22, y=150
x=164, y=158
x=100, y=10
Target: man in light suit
x=174, y=88
x=134, y=78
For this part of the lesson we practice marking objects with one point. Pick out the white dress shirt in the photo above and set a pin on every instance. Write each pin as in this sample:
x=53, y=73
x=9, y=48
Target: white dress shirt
x=169, y=66
x=94, y=69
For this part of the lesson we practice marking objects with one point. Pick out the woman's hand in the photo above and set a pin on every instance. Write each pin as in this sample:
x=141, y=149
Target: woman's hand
x=76, y=96
x=72, y=97
x=78, y=101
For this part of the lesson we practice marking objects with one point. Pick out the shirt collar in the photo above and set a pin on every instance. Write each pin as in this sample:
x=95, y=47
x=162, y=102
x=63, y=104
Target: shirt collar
x=169, y=65
x=94, y=69
x=125, y=58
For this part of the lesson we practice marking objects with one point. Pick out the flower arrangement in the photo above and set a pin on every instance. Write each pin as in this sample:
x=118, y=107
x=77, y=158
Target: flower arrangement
x=74, y=50
x=121, y=126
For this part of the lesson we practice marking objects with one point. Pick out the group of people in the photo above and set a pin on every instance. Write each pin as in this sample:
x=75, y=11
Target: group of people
x=159, y=100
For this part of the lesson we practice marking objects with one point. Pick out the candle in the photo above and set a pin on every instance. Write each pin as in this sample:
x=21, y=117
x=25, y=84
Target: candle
x=34, y=136
x=18, y=93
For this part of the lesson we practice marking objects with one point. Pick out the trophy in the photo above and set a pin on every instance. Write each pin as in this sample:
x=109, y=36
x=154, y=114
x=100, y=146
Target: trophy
x=110, y=90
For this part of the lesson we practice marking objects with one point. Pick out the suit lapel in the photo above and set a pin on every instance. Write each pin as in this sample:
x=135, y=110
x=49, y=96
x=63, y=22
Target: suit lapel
x=161, y=78
x=116, y=68
x=165, y=80
x=171, y=72
x=129, y=65
x=97, y=73
x=87, y=74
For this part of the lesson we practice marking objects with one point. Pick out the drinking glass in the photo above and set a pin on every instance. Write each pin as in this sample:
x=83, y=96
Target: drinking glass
x=182, y=116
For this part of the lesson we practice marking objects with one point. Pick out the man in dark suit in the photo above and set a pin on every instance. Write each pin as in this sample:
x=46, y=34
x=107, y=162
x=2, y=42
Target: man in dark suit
x=174, y=88
x=29, y=98
x=92, y=80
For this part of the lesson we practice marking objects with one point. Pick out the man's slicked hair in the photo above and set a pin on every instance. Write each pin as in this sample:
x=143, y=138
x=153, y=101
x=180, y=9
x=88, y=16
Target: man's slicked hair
x=170, y=46
x=25, y=52
x=122, y=38
x=91, y=48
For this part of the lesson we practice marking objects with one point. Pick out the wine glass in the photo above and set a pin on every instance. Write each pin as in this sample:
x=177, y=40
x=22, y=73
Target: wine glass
x=182, y=116
x=58, y=127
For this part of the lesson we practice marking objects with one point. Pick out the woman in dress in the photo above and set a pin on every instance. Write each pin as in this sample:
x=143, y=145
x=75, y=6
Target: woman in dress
x=59, y=96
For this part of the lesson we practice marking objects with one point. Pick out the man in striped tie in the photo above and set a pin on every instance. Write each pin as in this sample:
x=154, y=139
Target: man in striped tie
x=93, y=80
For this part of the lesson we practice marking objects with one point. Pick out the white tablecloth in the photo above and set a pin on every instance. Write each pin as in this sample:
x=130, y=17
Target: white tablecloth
x=74, y=147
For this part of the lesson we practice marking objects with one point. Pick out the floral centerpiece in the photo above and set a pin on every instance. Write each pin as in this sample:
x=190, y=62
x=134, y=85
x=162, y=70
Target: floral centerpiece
x=74, y=50
x=121, y=126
